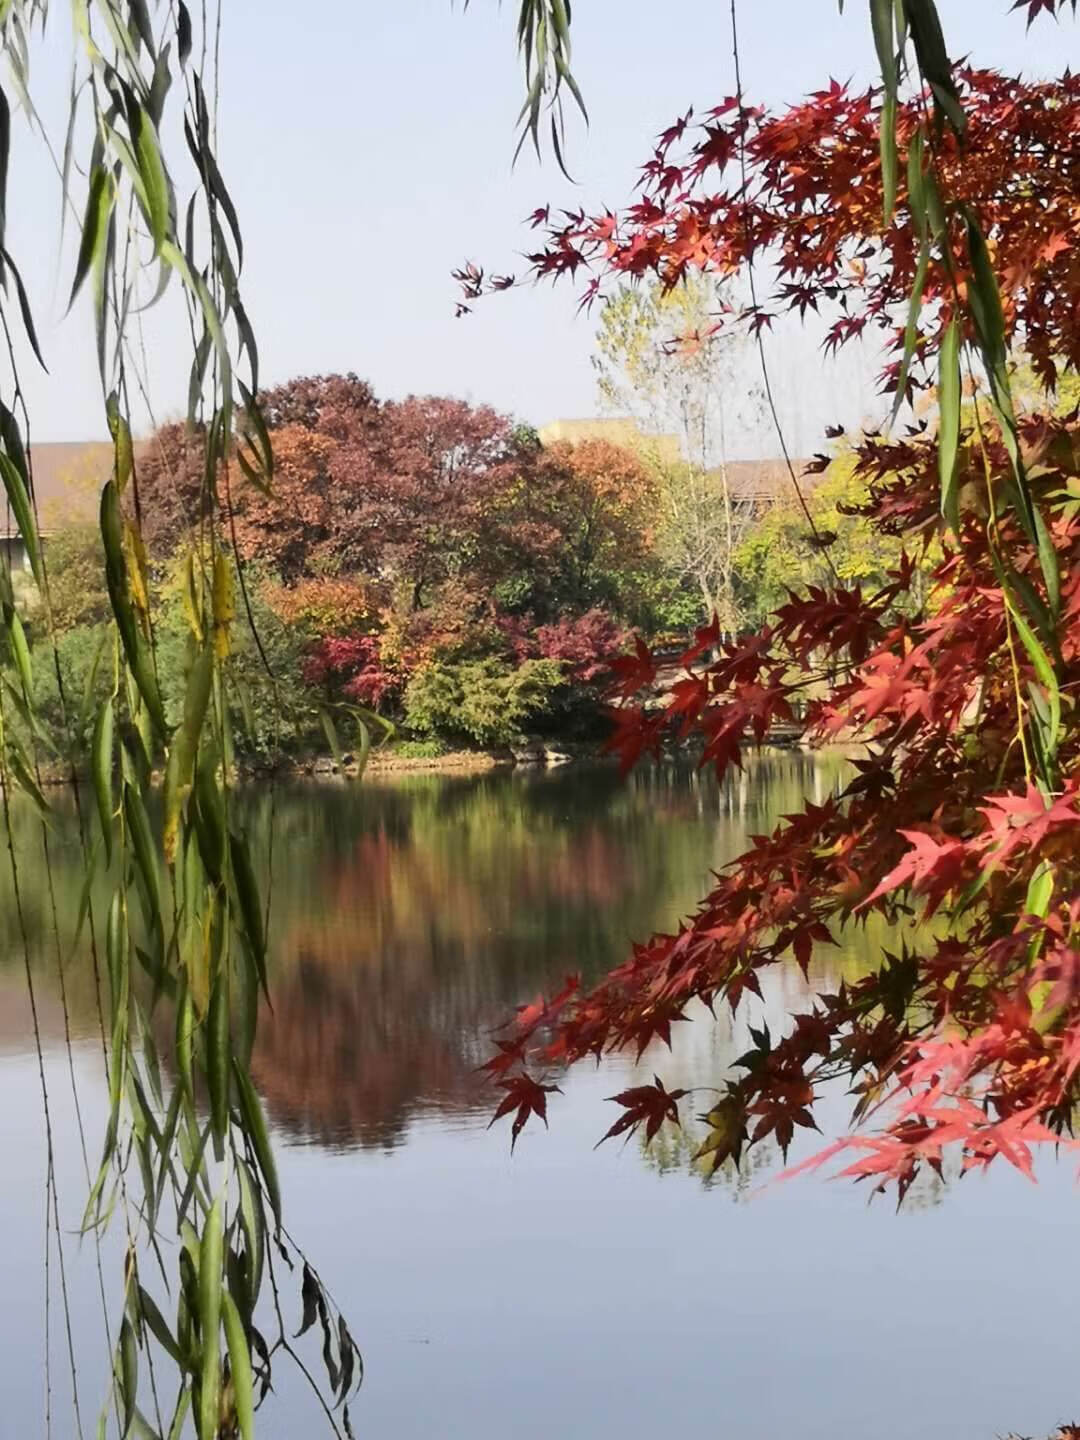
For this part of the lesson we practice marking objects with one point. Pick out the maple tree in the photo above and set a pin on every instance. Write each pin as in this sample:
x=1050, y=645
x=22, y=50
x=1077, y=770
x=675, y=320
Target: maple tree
x=956, y=690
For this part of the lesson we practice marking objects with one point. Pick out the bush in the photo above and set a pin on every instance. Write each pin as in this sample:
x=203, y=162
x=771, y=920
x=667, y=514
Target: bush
x=420, y=749
x=483, y=701
x=86, y=665
x=76, y=573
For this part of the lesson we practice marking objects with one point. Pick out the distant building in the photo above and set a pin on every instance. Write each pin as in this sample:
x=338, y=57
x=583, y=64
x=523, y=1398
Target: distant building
x=752, y=484
x=68, y=477
x=764, y=483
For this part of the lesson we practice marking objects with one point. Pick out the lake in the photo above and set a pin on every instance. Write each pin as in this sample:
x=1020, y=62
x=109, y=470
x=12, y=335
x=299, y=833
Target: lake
x=565, y=1289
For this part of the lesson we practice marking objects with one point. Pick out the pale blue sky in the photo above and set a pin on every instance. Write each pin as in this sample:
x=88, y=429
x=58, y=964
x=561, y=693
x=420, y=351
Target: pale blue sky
x=368, y=148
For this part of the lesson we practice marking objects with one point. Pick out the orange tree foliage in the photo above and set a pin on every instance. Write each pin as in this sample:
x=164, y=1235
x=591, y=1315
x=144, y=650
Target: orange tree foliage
x=965, y=801
x=293, y=525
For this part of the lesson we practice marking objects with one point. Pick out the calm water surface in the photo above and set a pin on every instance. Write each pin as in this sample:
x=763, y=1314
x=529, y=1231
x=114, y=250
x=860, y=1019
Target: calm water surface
x=564, y=1290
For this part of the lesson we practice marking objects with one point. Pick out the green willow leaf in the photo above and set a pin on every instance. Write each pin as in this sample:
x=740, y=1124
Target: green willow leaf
x=183, y=1403
x=145, y=855
x=20, y=653
x=128, y=1371
x=20, y=770
x=881, y=19
x=101, y=764
x=929, y=41
x=239, y=1366
x=1048, y=679
x=253, y=1221
x=197, y=287
x=23, y=511
x=255, y=1129
x=116, y=953
x=24, y=309
x=13, y=443
x=332, y=739
x=911, y=329
x=141, y=25
x=136, y=647
x=5, y=156
x=889, y=161
x=247, y=894
x=141, y=1429
x=193, y=1156
x=257, y=434
x=988, y=316
x=365, y=747
x=183, y=32
x=179, y=768
x=210, y=1262
x=147, y=150
x=123, y=450
x=185, y=1042
x=95, y=225
x=209, y=814
x=1047, y=729
x=949, y=390
x=207, y=165
x=218, y=1055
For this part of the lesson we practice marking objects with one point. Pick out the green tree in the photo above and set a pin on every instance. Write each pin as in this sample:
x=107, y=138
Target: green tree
x=780, y=551
x=666, y=358
x=77, y=590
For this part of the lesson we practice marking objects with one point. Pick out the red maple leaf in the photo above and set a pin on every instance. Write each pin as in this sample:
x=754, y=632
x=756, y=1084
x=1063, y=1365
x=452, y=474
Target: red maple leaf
x=528, y=1097
x=649, y=1103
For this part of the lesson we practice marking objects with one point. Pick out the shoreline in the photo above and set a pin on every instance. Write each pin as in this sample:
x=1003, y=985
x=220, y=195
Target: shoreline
x=460, y=762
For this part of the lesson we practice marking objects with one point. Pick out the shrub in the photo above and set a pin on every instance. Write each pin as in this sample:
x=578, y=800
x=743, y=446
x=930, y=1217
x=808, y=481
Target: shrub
x=86, y=666
x=485, y=701
x=351, y=666
x=76, y=569
x=420, y=749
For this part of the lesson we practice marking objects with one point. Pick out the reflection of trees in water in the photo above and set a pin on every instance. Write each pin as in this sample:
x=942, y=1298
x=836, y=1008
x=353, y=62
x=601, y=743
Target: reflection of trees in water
x=409, y=917
x=36, y=904
x=408, y=921
x=675, y=1148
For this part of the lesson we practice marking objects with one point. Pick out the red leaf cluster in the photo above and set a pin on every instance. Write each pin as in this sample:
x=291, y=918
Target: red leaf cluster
x=965, y=1032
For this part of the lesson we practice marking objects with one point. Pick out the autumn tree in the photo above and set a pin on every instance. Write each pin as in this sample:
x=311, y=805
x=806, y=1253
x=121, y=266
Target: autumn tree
x=336, y=405
x=171, y=486
x=577, y=527
x=293, y=529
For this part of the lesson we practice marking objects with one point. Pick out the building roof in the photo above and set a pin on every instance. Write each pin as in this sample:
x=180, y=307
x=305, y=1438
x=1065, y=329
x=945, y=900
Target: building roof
x=68, y=476
x=766, y=481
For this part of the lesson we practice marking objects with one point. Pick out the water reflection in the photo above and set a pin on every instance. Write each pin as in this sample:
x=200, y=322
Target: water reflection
x=411, y=914
x=409, y=919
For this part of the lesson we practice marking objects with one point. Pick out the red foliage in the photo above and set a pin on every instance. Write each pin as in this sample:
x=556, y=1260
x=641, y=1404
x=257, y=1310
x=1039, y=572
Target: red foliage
x=353, y=665
x=812, y=205
x=587, y=644
x=648, y=1105
x=525, y=1096
x=965, y=800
